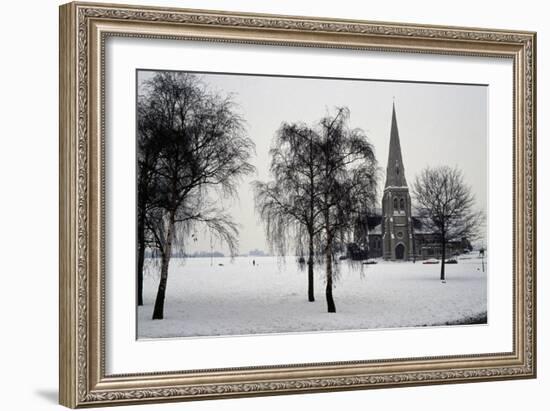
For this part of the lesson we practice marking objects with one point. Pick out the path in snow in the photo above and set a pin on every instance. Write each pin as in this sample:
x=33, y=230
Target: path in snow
x=239, y=298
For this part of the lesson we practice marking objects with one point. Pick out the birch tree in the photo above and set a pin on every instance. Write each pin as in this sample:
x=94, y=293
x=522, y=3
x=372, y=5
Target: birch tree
x=324, y=183
x=203, y=149
x=287, y=203
x=348, y=183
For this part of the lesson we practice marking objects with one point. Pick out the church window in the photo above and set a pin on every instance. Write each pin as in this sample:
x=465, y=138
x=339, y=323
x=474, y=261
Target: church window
x=395, y=204
x=402, y=204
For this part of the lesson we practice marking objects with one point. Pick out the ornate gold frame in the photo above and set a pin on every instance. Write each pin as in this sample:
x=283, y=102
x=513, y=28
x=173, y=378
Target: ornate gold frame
x=83, y=30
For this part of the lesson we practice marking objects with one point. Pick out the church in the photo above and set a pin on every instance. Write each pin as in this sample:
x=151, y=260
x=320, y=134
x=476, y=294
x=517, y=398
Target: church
x=394, y=232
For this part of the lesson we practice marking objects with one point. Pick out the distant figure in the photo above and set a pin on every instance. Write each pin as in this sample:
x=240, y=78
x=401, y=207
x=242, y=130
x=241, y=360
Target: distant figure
x=254, y=262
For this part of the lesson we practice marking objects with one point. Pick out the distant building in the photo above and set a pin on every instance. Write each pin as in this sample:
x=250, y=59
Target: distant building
x=394, y=233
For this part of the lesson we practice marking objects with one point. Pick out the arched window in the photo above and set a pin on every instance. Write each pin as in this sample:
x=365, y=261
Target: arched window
x=395, y=203
x=402, y=204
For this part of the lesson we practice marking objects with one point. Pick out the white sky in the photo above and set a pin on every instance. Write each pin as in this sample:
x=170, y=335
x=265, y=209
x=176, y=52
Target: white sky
x=439, y=124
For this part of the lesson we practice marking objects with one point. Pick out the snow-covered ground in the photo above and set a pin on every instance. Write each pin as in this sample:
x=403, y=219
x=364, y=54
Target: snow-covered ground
x=239, y=298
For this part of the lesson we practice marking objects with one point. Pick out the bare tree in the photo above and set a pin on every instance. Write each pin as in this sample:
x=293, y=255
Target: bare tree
x=287, y=204
x=347, y=185
x=147, y=181
x=446, y=204
x=324, y=183
x=202, y=149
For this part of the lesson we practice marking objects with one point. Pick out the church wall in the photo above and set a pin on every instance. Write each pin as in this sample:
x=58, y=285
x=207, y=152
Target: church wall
x=375, y=246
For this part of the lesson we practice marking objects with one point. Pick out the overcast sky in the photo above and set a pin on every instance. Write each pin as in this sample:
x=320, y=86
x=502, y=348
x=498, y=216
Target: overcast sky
x=439, y=124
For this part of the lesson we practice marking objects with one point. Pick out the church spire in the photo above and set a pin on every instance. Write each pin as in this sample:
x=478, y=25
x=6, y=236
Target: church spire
x=395, y=172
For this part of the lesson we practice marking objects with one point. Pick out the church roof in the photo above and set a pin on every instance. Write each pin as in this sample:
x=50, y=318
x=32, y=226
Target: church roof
x=395, y=171
x=374, y=221
x=376, y=230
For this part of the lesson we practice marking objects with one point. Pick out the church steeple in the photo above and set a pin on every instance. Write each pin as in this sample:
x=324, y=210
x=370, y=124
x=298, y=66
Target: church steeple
x=395, y=172
x=397, y=230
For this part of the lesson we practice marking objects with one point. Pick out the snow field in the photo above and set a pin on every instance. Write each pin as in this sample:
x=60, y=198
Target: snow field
x=220, y=297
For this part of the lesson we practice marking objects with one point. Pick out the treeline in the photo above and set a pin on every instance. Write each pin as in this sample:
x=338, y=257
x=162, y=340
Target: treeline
x=182, y=254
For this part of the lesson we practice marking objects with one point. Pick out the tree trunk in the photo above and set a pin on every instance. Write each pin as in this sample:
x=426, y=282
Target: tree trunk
x=310, y=291
x=158, y=311
x=141, y=256
x=311, y=223
x=442, y=277
x=330, y=300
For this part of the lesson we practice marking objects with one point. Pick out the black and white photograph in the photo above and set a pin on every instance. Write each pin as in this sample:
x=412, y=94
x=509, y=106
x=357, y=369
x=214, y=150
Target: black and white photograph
x=279, y=204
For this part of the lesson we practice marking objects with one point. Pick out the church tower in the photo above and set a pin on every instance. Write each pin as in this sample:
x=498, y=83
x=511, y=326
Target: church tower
x=397, y=235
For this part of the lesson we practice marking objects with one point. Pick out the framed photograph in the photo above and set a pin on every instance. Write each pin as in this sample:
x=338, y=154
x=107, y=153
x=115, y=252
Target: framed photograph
x=259, y=204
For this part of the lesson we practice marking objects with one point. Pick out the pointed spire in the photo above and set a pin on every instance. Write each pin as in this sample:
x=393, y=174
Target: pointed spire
x=395, y=172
